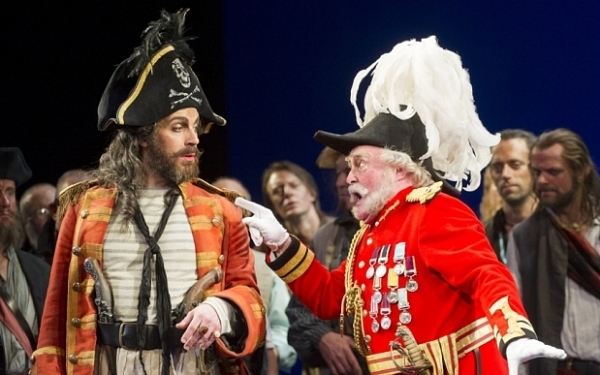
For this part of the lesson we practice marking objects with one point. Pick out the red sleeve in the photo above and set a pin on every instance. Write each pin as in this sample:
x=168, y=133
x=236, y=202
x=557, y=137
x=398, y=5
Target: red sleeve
x=319, y=289
x=50, y=353
x=453, y=242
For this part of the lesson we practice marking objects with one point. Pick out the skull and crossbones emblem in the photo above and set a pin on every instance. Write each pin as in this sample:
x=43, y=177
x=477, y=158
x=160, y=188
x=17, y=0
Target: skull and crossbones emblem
x=181, y=73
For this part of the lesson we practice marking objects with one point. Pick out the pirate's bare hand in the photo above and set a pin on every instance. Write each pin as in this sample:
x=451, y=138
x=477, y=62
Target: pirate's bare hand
x=202, y=327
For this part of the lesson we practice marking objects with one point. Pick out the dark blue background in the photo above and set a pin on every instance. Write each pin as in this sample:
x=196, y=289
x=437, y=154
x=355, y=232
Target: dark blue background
x=280, y=70
x=290, y=66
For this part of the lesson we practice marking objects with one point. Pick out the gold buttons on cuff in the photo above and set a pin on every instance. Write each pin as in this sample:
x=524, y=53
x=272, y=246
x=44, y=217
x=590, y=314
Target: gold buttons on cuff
x=73, y=359
x=365, y=313
x=367, y=338
x=76, y=322
x=221, y=259
x=76, y=250
x=215, y=221
x=83, y=214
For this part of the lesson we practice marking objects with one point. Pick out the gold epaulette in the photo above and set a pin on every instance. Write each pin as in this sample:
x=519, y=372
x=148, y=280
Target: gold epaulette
x=229, y=194
x=424, y=194
x=71, y=194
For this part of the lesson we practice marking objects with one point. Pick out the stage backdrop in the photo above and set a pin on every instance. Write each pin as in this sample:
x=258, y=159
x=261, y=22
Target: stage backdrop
x=290, y=66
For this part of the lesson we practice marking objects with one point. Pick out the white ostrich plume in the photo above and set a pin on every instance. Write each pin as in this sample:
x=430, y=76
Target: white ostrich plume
x=431, y=81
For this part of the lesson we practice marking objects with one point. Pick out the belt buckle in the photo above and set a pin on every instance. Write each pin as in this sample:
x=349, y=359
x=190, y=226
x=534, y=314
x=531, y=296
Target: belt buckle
x=121, y=330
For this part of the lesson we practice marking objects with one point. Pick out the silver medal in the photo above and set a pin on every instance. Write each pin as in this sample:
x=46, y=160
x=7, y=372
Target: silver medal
x=375, y=326
x=405, y=317
x=386, y=322
x=377, y=296
x=399, y=269
x=392, y=297
x=381, y=271
x=412, y=285
x=370, y=272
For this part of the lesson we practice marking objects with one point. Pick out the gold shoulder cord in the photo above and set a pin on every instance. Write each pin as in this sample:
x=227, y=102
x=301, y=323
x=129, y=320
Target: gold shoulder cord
x=352, y=300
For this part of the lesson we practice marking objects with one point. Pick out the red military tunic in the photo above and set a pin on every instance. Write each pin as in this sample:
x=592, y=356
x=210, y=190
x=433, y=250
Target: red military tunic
x=455, y=295
x=67, y=339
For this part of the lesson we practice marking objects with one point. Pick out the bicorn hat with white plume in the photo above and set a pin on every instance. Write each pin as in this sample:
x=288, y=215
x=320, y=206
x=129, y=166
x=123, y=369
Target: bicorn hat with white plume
x=420, y=101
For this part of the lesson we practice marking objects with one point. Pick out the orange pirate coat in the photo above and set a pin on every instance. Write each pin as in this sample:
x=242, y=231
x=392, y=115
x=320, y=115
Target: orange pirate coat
x=424, y=264
x=67, y=337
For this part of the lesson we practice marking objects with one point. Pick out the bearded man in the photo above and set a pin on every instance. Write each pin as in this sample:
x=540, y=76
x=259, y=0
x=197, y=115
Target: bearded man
x=23, y=276
x=555, y=253
x=128, y=291
x=421, y=280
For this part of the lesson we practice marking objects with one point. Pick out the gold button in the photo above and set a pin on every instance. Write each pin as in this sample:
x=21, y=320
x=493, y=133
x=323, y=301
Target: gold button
x=377, y=223
x=216, y=221
x=221, y=259
x=365, y=313
x=83, y=214
x=363, y=287
x=77, y=287
x=361, y=264
x=76, y=250
x=73, y=359
x=367, y=338
x=76, y=322
x=369, y=241
x=32, y=360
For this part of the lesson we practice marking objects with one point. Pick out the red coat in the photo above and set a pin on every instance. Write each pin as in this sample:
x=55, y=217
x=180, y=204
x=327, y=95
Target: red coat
x=68, y=330
x=465, y=296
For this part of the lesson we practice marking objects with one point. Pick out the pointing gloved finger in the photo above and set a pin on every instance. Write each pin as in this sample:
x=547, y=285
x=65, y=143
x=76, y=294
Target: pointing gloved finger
x=255, y=208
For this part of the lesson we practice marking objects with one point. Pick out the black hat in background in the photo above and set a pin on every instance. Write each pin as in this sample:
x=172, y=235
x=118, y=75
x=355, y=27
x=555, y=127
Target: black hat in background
x=156, y=80
x=13, y=165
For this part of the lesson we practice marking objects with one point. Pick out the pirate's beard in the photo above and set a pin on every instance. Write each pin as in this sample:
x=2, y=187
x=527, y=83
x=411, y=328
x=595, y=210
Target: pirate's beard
x=168, y=166
x=11, y=231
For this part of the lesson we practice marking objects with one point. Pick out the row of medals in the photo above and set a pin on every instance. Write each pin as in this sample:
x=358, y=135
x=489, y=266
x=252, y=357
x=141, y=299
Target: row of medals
x=393, y=296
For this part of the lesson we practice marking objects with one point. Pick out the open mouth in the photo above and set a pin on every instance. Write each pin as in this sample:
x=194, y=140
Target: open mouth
x=357, y=192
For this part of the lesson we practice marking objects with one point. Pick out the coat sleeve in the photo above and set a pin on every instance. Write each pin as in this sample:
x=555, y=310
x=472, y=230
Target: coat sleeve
x=240, y=288
x=317, y=288
x=49, y=358
x=453, y=243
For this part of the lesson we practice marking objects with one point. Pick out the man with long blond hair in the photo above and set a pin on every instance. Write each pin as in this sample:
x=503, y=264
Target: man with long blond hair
x=128, y=292
x=555, y=254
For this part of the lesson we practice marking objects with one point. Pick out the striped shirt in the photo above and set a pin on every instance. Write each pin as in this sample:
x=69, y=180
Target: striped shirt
x=124, y=255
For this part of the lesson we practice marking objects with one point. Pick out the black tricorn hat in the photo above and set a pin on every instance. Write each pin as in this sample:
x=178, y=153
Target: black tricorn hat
x=388, y=131
x=156, y=80
x=13, y=165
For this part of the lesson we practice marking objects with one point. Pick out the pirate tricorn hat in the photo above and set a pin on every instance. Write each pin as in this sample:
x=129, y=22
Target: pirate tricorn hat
x=156, y=80
x=13, y=165
x=420, y=102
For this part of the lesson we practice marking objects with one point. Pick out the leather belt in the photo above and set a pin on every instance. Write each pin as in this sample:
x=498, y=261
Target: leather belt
x=124, y=335
x=579, y=365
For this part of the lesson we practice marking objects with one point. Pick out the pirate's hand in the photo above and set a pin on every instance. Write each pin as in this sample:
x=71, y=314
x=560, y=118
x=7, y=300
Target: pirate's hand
x=202, y=327
x=525, y=349
x=264, y=226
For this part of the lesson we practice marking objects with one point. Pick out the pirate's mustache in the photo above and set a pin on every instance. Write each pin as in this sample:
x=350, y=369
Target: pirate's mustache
x=187, y=151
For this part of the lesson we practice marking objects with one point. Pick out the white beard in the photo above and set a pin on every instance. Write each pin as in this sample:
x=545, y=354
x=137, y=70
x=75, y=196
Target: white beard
x=374, y=201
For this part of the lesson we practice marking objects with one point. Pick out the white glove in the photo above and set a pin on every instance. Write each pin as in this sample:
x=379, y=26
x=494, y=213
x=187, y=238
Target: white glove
x=525, y=349
x=263, y=225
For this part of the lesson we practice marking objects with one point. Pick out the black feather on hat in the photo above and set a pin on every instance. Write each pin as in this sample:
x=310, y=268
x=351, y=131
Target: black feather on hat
x=156, y=80
x=13, y=166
